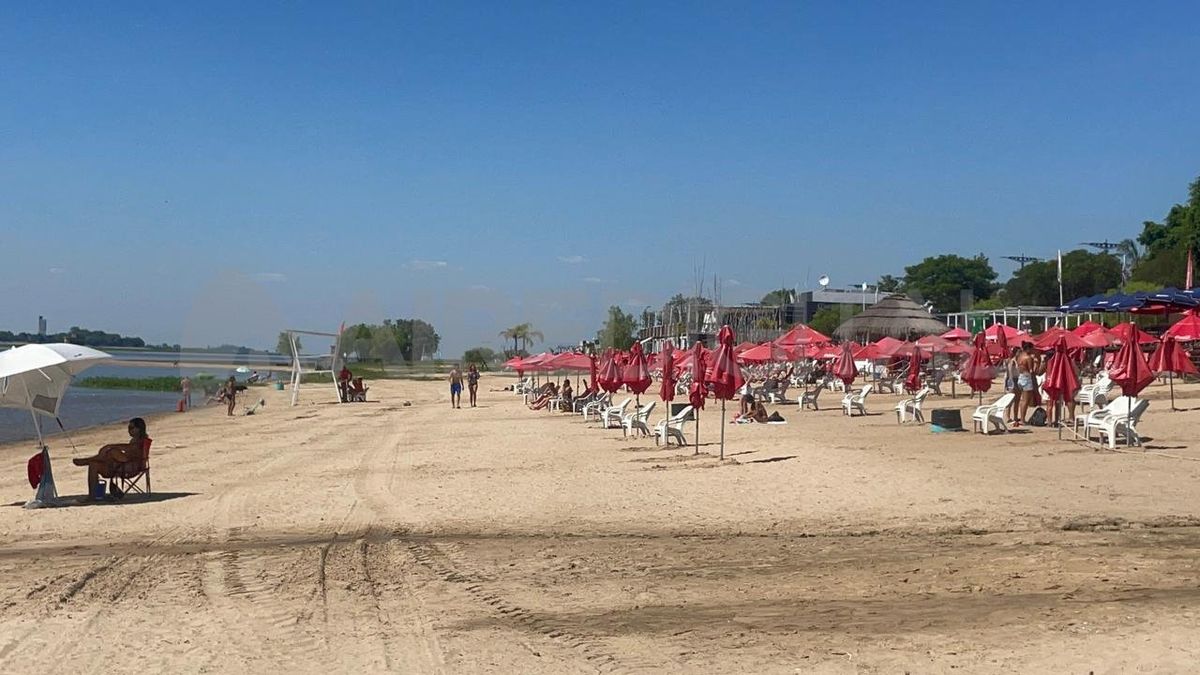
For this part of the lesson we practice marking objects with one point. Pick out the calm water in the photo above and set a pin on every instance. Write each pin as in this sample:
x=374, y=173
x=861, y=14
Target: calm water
x=89, y=407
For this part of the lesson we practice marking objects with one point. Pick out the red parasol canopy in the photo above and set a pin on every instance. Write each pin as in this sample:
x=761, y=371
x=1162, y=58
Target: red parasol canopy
x=913, y=382
x=666, y=389
x=609, y=377
x=801, y=335
x=724, y=374
x=1099, y=338
x=636, y=374
x=844, y=368
x=1186, y=329
x=699, y=362
x=1130, y=370
x=890, y=346
x=868, y=353
x=1126, y=332
x=998, y=331
x=767, y=352
x=1086, y=327
x=1062, y=382
x=537, y=361
x=595, y=373
x=569, y=361
x=1050, y=339
x=1171, y=358
x=956, y=333
x=979, y=373
x=514, y=363
x=743, y=346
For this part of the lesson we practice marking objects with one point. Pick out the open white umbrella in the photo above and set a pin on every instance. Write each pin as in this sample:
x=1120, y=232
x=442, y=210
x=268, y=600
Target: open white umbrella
x=34, y=378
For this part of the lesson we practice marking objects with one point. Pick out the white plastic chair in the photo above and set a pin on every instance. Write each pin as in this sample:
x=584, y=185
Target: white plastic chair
x=1123, y=424
x=1096, y=393
x=672, y=427
x=913, y=406
x=636, y=420
x=992, y=414
x=615, y=413
x=852, y=401
x=1090, y=421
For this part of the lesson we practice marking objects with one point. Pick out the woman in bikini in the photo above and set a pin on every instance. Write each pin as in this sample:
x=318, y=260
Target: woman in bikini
x=109, y=458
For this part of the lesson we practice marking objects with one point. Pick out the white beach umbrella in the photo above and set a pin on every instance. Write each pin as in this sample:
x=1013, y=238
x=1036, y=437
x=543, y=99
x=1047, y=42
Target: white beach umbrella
x=34, y=378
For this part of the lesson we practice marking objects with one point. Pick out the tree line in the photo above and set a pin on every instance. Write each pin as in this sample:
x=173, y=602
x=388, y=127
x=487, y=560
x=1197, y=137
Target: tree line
x=393, y=341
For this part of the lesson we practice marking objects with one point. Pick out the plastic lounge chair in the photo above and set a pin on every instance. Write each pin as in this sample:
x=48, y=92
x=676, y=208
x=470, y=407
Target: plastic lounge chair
x=614, y=413
x=992, y=414
x=597, y=407
x=1090, y=421
x=673, y=427
x=636, y=420
x=134, y=476
x=934, y=382
x=1123, y=424
x=913, y=406
x=810, y=398
x=852, y=401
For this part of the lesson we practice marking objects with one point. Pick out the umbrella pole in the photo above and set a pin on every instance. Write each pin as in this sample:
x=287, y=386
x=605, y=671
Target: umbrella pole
x=1058, y=416
x=722, y=429
x=697, y=412
x=1171, y=383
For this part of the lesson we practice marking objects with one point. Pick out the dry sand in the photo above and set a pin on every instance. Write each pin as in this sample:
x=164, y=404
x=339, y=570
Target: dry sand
x=375, y=536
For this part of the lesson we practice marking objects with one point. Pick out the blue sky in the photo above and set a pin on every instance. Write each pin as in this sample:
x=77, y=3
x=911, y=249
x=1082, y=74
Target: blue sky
x=212, y=172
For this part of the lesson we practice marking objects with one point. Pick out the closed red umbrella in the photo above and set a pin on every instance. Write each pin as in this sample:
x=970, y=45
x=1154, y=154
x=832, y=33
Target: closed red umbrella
x=594, y=372
x=1001, y=341
x=1131, y=372
x=913, y=382
x=636, y=374
x=1170, y=358
x=724, y=375
x=979, y=372
x=609, y=377
x=1062, y=382
x=844, y=368
x=698, y=391
x=666, y=389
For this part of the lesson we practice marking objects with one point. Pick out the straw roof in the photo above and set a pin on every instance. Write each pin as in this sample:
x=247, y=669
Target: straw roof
x=896, y=316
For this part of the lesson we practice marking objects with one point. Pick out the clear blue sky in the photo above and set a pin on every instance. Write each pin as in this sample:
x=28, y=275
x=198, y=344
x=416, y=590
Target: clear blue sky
x=209, y=172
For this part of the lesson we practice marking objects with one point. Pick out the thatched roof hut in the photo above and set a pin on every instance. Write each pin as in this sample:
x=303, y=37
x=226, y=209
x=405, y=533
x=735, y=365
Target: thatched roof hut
x=895, y=315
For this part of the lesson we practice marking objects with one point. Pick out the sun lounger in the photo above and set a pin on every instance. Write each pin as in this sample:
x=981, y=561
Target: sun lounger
x=992, y=414
x=913, y=406
x=672, y=427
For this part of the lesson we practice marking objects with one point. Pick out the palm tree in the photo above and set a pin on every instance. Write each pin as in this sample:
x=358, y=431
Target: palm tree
x=1130, y=256
x=522, y=335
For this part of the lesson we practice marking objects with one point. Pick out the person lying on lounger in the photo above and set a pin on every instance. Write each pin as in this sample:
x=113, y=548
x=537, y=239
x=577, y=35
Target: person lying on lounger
x=548, y=392
x=108, y=459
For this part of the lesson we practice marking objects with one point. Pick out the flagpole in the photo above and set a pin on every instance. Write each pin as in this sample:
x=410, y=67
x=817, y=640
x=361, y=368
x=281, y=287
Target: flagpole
x=1060, y=280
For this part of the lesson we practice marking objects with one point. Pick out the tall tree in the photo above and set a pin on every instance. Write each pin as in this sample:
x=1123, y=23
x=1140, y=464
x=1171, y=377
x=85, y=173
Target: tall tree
x=1084, y=273
x=943, y=280
x=618, y=330
x=890, y=284
x=480, y=356
x=1166, y=244
x=522, y=335
x=780, y=296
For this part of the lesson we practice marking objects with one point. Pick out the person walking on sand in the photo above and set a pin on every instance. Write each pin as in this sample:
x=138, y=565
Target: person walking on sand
x=1026, y=382
x=185, y=386
x=456, y=387
x=230, y=395
x=472, y=383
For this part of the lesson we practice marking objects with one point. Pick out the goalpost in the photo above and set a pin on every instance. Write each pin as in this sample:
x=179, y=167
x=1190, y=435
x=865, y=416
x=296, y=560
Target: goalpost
x=315, y=360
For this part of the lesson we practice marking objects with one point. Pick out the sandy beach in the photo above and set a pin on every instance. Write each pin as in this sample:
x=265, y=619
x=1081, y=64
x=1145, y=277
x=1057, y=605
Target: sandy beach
x=383, y=537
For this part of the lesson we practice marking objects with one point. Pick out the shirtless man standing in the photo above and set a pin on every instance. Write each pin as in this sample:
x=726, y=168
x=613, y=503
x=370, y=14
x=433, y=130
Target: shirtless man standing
x=1026, y=382
x=456, y=382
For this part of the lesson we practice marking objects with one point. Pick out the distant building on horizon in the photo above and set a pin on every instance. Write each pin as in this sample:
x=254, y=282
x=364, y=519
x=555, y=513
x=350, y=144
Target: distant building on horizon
x=41, y=326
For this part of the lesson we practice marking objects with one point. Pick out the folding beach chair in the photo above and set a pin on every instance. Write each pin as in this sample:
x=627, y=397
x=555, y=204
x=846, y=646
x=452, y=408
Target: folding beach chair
x=134, y=476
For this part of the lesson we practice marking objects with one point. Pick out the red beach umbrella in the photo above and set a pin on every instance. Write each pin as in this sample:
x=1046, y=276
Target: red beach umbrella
x=698, y=392
x=913, y=382
x=1127, y=332
x=801, y=334
x=636, y=374
x=666, y=389
x=1186, y=329
x=1062, y=382
x=956, y=333
x=844, y=368
x=725, y=375
x=1130, y=371
x=767, y=352
x=979, y=373
x=1099, y=338
x=594, y=372
x=1050, y=339
x=609, y=377
x=1086, y=327
x=1170, y=358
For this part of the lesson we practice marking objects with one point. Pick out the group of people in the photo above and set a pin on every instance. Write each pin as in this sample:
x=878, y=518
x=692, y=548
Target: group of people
x=1021, y=372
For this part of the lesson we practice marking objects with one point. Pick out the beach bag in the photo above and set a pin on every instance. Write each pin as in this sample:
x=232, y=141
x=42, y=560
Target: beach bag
x=36, y=468
x=1038, y=418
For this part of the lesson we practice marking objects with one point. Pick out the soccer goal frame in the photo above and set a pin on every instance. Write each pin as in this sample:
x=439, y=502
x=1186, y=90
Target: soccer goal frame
x=298, y=370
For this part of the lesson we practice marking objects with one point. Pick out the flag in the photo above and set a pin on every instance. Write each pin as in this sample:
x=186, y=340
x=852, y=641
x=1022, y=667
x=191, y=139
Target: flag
x=1187, y=281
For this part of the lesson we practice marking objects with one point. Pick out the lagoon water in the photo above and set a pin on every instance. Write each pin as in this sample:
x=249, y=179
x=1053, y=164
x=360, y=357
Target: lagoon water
x=88, y=407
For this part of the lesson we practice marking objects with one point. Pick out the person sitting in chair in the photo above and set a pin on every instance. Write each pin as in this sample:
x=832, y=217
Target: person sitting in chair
x=110, y=459
x=548, y=392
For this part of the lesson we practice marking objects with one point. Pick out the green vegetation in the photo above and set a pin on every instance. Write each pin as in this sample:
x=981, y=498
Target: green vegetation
x=618, y=330
x=204, y=383
x=827, y=320
x=77, y=336
x=1084, y=274
x=944, y=279
x=393, y=341
x=1167, y=243
x=284, y=345
x=522, y=335
x=483, y=357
